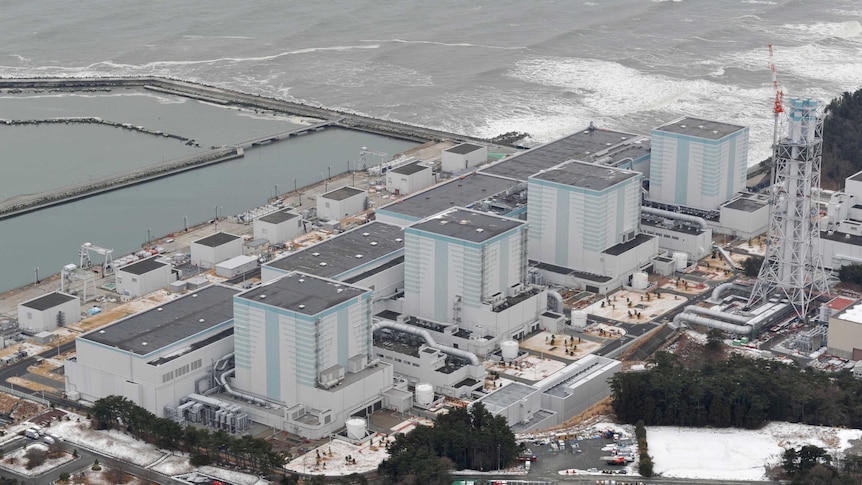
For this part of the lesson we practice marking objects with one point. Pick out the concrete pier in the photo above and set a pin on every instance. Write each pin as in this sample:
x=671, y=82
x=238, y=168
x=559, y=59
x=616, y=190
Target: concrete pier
x=23, y=204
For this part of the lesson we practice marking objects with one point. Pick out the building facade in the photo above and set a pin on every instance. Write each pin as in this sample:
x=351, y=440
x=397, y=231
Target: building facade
x=212, y=250
x=143, y=277
x=306, y=342
x=462, y=157
x=409, y=178
x=339, y=204
x=47, y=312
x=698, y=163
x=278, y=227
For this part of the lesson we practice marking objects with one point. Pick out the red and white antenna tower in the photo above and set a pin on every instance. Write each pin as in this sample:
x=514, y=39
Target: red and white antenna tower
x=778, y=106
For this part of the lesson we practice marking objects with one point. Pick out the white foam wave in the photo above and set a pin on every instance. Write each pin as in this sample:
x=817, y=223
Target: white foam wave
x=759, y=2
x=446, y=44
x=817, y=31
x=203, y=37
x=833, y=67
x=713, y=41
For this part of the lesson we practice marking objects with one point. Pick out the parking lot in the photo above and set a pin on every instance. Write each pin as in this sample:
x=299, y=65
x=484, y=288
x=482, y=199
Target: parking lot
x=584, y=454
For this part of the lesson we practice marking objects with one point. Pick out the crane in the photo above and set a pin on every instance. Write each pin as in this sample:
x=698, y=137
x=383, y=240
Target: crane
x=778, y=106
x=364, y=161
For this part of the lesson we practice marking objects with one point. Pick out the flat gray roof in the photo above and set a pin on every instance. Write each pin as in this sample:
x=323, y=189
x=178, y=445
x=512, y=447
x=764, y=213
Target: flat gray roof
x=746, y=204
x=620, y=248
x=411, y=168
x=279, y=217
x=856, y=177
x=302, y=293
x=506, y=396
x=578, y=146
x=342, y=193
x=372, y=241
x=143, y=266
x=711, y=130
x=467, y=225
x=463, y=148
x=216, y=239
x=585, y=175
x=50, y=300
x=458, y=192
x=152, y=330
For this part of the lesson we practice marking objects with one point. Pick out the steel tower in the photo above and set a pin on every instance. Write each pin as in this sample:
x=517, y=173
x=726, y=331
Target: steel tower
x=792, y=267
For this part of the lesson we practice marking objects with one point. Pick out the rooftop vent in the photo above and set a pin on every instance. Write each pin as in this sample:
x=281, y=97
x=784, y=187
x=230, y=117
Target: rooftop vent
x=301, y=280
x=301, y=307
x=480, y=230
x=339, y=290
x=144, y=343
x=463, y=221
x=398, y=239
x=322, y=263
x=358, y=256
x=315, y=254
x=201, y=320
x=682, y=126
x=444, y=222
x=701, y=126
x=366, y=234
x=374, y=243
x=714, y=132
x=194, y=295
x=608, y=144
x=101, y=331
x=159, y=309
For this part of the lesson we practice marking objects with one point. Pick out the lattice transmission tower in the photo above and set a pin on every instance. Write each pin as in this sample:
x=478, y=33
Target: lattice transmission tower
x=792, y=267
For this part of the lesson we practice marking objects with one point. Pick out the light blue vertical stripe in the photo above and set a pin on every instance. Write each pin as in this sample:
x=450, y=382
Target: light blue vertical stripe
x=441, y=281
x=731, y=168
x=682, y=181
x=504, y=260
x=273, y=354
x=343, y=336
x=621, y=211
x=561, y=229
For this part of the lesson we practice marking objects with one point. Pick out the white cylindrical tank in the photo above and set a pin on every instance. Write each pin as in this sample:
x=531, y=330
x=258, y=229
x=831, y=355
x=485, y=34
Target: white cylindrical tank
x=356, y=428
x=681, y=260
x=640, y=281
x=509, y=349
x=424, y=394
x=579, y=319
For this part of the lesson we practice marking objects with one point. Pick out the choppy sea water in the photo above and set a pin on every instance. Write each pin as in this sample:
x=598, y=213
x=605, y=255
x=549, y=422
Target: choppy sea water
x=480, y=68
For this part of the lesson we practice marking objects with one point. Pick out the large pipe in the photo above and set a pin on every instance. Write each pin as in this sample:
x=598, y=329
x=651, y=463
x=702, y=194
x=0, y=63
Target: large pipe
x=675, y=215
x=718, y=290
x=727, y=257
x=429, y=340
x=730, y=317
x=558, y=298
x=245, y=397
x=712, y=323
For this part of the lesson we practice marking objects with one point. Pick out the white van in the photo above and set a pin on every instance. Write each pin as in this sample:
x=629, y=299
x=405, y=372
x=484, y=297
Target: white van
x=49, y=440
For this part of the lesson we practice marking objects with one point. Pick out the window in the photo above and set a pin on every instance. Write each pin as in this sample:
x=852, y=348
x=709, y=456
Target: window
x=134, y=280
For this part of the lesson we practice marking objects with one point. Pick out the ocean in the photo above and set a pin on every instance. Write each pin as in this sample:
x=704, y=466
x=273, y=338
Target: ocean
x=480, y=68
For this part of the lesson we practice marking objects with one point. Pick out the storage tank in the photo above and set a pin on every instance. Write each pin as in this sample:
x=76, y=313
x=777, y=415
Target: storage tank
x=640, y=281
x=509, y=349
x=579, y=319
x=681, y=260
x=424, y=394
x=356, y=428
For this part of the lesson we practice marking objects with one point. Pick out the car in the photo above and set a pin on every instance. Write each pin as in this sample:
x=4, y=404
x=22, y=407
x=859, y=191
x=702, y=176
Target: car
x=49, y=440
x=169, y=240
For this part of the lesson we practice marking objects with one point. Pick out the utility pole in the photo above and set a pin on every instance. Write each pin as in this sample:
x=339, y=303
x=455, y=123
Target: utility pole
x=37, y=274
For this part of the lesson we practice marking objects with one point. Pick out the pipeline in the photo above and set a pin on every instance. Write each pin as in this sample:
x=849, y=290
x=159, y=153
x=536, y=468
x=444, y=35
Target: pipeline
x=245, y=397
x=717, y=314
x=222, y=363
x=558, y=298
x=726, y=256
x=718, y=290
x=712, y=323
x=676, y=215
x=429, y=340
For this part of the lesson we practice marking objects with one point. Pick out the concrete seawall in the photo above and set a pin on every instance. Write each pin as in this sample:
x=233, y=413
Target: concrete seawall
x=23, y=204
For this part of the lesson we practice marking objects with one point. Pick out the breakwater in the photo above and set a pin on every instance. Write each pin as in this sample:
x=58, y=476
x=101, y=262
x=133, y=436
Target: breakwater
x=23, y=204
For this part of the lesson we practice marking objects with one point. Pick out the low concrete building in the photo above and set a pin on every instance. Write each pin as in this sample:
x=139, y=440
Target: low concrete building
x=278, y=227
x=463, y=156
x=157, y=357
x=338, y=204
x=845, y=333
x=48, y=312
x=236, y=266
x=212, y=250
x=144, y=276
x=409, y=178
x=745, y=216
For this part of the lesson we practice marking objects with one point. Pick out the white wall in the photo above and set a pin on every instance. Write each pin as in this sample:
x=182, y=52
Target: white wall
x=46, y=320
x=455, y=162
x=143, y=284
x=696, y=245
x=275, y=233
x=208, y=257
x=744, y=224
x=336, y=210
x=402, y=184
